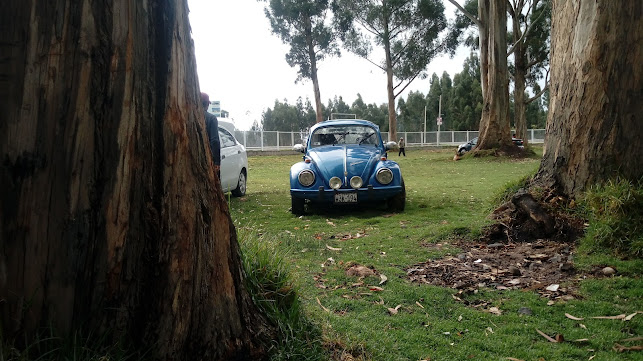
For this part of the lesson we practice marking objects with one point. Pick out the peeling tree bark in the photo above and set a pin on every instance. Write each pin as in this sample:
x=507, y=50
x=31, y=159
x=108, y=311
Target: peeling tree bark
x=495, y=129
x=111, y=215
x=594, y=130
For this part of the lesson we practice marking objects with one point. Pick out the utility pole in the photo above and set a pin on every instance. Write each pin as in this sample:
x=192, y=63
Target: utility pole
x=424, y=134
x=439, y=120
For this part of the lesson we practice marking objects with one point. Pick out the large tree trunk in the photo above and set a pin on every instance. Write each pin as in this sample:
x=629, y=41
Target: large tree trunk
x=494, y=125
x=111, y=215
x=520, y=66
x=313, y=71
x=594, y=130
x=392, y=116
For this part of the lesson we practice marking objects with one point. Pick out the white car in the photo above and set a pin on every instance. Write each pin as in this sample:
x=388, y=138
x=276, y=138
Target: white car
x=234, y=164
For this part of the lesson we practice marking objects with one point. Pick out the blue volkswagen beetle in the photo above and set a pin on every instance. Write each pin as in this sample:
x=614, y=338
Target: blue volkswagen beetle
x=345, y=163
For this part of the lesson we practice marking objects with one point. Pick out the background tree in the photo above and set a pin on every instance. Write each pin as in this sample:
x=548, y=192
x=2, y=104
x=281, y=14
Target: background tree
x=303, y=25
x=406, y=30
x=594, y=130
x=112, y=217
x=530, y=49
x=491, y=21
x=377, y=114
x=411, y=112
x=337, y=106
x=466, y=102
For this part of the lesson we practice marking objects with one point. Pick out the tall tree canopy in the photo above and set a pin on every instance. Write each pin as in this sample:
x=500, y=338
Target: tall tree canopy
x=407, y=31
x=304, y=25
x=594, y=130
x=111, y=215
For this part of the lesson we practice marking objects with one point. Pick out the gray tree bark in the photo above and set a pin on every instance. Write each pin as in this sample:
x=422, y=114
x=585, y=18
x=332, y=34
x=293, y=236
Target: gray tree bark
x=495, y=128
x=594, y=130
x=111, y=216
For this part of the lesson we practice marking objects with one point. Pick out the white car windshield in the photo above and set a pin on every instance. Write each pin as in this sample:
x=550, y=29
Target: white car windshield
x=345, y=134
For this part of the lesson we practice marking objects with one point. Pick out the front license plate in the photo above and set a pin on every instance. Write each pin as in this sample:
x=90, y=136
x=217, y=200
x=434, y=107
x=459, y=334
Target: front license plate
x=346, y=197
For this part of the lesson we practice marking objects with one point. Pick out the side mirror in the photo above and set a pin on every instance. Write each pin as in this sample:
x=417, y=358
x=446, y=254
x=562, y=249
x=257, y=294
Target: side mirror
x=299, y=148
x=391, y=145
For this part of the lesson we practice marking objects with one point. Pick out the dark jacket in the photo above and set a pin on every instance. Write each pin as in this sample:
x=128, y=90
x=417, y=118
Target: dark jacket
x=212, y=127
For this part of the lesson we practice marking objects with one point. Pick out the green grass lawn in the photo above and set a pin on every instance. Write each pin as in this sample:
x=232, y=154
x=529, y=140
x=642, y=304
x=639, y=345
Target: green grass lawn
x=445, y=199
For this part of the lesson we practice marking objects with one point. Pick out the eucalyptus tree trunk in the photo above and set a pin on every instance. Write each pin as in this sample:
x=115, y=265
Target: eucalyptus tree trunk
x=594, y=131
x=111, y=216
x=313, y=71
x=494, y=124
x=392, y=116
x=520, y=72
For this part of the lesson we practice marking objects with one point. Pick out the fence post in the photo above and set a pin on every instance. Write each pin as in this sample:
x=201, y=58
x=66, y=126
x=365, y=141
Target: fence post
x=262, y=140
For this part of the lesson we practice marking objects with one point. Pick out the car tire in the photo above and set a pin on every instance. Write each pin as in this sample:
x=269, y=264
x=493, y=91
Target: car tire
x=240, y=191
x=397, y=202
x=298, y=206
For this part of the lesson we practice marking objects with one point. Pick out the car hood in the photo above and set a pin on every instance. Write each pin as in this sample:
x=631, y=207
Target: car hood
x=358, y=160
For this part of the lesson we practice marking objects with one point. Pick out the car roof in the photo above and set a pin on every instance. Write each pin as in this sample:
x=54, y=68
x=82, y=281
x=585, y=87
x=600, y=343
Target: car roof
x=327, y=123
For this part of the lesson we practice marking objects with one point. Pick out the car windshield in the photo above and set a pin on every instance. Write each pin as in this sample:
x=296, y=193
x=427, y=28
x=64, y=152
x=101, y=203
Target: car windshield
x=344, y=134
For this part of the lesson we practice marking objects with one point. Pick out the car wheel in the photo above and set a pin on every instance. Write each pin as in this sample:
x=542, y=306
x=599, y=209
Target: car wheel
x=297, y=206
x=398, y=201
x=240, y=191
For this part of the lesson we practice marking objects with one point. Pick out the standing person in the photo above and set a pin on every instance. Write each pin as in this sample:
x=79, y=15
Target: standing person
x=212, y=128
x=402, y=144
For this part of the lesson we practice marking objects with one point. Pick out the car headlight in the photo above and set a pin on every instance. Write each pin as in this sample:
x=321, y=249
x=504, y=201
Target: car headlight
x=356, y=182
x=335, y=183
x=384, y=176
x=306, y=178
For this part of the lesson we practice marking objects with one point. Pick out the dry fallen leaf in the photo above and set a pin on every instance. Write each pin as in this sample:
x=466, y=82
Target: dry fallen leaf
x=383, y=278
x=322, y=306
x=546, y=336
x=333, y=248
x=377, y=289
x=629, y=317
x=495, y=311
x=617, y=317
x=359, y=271
x=418, y=303
x=514, y=359
x=620, y=348
x=573, y=317
x=632, y=339
x=393, y=311
x=552, y=288
x=330, y=223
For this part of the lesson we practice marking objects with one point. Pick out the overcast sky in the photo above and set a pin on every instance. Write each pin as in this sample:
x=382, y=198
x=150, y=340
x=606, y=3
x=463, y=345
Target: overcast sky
x=242, y=64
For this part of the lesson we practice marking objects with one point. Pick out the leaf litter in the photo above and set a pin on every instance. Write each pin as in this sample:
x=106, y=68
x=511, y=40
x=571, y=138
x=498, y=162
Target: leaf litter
x=542, y=266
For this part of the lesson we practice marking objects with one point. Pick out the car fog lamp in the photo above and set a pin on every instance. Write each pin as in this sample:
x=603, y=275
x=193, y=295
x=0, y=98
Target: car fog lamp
x=335, y=183
x=384, y=176
x=356, y=182
x=306, y=178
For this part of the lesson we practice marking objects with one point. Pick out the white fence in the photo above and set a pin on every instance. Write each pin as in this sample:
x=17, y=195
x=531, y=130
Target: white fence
x=275, y=140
